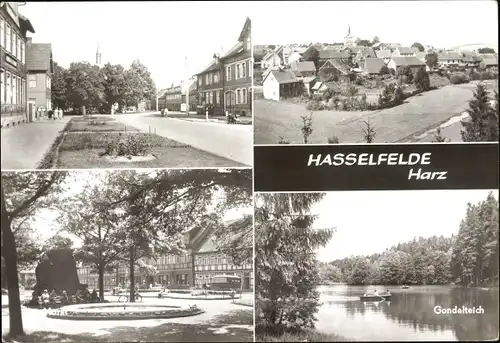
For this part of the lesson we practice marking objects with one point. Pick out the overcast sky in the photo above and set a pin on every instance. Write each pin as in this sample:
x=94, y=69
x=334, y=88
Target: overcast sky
x=368, y=222
x=159, y=34
x=442, y=24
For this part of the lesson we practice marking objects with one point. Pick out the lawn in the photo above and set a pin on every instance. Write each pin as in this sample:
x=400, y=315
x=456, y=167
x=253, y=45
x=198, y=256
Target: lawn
x=232, y=326
x=418, y=114
x=307, y=336
x=81, y=145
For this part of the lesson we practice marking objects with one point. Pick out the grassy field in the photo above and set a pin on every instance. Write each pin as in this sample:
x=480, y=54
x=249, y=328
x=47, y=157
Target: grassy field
x=81, y=144
x=274, y=120
x=307, y=336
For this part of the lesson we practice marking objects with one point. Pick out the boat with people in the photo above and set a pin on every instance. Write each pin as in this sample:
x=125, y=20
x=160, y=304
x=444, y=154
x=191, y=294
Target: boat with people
x=372, y=297
x=405, y=287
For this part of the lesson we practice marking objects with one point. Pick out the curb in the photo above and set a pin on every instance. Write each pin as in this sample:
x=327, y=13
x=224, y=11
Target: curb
x=123, y=317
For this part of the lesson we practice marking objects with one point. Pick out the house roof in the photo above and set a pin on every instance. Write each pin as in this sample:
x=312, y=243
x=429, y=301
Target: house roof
x=366, y=52
x=490, y=61
x=373, y=65
x=26, y=23
x=308, y=79
x=317, y=85
x=337, y=64
x=214, y=65
x=469, y=57
x=246, y=30
x=268, y=55
x=443, y=56
x=333, y=54
x=283, y=76
x=487, y=56
x=306, y=66
x=405, y=50
x=236, y=49
x=421, y=55
x=407, y=61
x=383, y=53
x=39, y=56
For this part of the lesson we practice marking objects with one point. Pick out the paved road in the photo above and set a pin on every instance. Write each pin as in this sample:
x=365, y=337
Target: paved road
x=24, y=146
x=230, y=141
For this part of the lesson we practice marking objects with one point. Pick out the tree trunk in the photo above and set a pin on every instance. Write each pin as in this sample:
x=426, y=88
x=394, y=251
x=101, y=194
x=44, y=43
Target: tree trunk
x=101, y=282
x=132, y=276
x=10, y=256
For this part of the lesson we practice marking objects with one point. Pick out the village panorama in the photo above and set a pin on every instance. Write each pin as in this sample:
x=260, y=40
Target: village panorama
x=369, y=90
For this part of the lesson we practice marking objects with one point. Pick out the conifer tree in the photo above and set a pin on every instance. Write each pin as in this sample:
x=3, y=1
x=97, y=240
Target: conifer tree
x=483, y=123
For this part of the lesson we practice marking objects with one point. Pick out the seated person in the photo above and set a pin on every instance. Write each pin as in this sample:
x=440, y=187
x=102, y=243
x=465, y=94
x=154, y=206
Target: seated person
x=65, y=298
x=93, y=296
x=45, y=298
x=375, y=293
x=163, y=292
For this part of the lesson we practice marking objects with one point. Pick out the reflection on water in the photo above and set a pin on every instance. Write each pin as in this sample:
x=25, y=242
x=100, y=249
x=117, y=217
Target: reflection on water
x=409, y=315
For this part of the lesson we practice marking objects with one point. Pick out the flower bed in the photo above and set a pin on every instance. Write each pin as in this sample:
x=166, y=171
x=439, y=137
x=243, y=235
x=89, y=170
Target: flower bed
x=130, y=312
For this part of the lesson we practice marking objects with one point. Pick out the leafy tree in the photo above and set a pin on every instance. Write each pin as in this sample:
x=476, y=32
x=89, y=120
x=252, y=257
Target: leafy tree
x=431, y=59
x=361, y=273
x=84, y=85
x=363, y=42
x=422, y=81
x=405, y=75
x=329, y=273
x=369, y=132
x=58, y=242
x=384, y=70
x=307, y=128
x=333, y=140
x=419, y=46
x=139, y=85
x=375, y=40
x=114, y=84
x=286, y=266
x=313, y=55
x=483, y=123
x=486, y=51
x=59, y=88
x=23, y=193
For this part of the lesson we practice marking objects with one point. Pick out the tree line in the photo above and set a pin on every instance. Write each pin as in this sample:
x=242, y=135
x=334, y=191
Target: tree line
x=123, y=218
x=88, y=86
x=468, y=258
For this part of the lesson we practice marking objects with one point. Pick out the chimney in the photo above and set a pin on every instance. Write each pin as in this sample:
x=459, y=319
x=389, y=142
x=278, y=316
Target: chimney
x=216, y=59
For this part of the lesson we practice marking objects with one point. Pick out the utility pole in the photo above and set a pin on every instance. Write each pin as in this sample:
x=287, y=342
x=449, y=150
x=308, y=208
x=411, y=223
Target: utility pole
x=157, y=90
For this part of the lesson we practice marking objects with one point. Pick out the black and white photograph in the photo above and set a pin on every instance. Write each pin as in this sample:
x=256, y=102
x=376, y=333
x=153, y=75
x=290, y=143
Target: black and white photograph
x=355, y=72
x=377, y=266
x=147, y=255
x=125, y=85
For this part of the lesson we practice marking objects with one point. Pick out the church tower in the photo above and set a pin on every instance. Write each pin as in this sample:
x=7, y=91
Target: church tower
x=349, y=39
x=98, y=60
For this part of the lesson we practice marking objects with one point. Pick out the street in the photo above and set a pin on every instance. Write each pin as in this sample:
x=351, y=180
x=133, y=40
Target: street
x=230, y=141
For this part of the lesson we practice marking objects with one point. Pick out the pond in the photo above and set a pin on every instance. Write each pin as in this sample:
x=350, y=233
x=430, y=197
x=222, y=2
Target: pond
x=410, y=315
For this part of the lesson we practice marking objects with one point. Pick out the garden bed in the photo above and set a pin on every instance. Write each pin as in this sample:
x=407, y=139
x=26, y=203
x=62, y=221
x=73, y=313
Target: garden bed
x=81, y=150
x=200, y=297
x=118, y=312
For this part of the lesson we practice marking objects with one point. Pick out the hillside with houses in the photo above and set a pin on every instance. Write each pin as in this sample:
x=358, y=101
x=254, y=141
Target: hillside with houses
x=361, y=76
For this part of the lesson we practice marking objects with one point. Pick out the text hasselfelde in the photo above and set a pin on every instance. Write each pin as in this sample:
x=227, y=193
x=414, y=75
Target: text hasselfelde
x=367, y=159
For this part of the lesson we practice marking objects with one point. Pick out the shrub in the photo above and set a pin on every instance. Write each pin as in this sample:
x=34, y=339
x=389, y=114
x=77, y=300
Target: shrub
x=384, y=70
x=422, y=81
x=307, y=129
x=130, y=145
x=283, y=141
x=333, y=140
x=313, y=105
x=458, y=78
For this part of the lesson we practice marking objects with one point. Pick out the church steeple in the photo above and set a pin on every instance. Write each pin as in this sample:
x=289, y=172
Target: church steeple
x=98, y=56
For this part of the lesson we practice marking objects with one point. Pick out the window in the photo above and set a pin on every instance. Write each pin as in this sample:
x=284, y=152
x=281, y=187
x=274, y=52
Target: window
x=2, y=33
x=217, y=97
x=216, y=77
x=18, y=48
x=32, y=80
x=14, y=90
x=206, y=79
x=23, y=52
x=14, y=44
x=199, y=81
x=237, y=71
x=244, y=95
x=8, y=36
x=228, y=73
x=2, y=89
x=238, y=94
x=49, y=82
x=211, y=97
x=244, y=70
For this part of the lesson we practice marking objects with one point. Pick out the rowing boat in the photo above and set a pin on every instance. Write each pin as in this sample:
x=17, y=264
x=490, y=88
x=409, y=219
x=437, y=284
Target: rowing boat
x=375, y=297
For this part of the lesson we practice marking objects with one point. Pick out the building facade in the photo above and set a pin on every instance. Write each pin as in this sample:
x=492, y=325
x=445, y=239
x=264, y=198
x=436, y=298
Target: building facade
x=40, y=67
x=238, y=74
x=210, y=85
x=13, y=97
x=198, y=266
x=173, y=98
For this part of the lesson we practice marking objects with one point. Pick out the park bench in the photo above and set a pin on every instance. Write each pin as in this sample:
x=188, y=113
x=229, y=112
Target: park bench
x=56, y=301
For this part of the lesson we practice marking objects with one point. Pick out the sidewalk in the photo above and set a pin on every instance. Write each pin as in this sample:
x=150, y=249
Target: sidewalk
x=24, y=146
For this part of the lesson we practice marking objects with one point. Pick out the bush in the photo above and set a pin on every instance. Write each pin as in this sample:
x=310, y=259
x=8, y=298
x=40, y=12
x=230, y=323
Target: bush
x=422, y=81
x=333, y=140
x=131, y=145
x=458, y=78
x=312, y=105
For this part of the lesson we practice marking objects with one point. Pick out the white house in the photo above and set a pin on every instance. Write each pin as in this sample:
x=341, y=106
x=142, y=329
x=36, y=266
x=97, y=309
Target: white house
x=280, y=84
x=270, y=60
x=294, y=57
